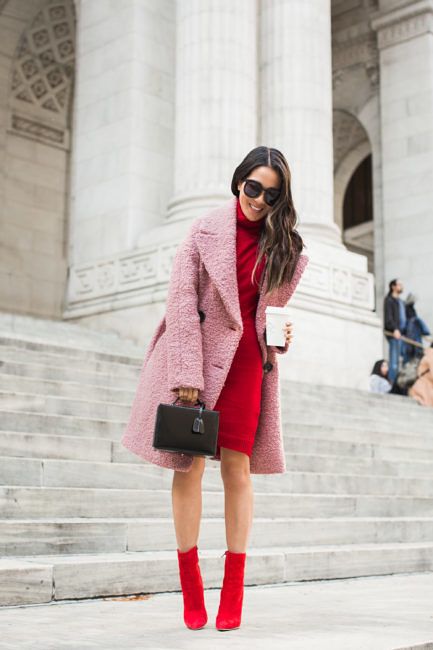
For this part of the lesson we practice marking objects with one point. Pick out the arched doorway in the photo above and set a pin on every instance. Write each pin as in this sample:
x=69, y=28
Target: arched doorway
x=35, y=106
x=358, y=233
x=353, y=185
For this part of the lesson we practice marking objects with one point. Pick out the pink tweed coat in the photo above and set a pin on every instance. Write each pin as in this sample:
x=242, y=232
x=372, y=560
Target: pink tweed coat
x=187, y=350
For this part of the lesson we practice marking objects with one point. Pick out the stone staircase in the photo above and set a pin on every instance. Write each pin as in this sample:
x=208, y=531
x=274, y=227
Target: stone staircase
x=82, y=517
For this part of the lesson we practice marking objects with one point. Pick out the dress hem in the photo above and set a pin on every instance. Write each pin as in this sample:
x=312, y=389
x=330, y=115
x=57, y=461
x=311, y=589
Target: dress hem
x=236, y=444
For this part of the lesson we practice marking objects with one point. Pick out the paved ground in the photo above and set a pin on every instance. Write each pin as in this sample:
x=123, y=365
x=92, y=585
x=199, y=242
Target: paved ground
x=375, y=613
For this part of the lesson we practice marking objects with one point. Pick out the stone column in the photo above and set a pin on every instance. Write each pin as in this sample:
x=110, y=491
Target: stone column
x=333, y=308
x=216, y=100
x=123, y=129
x=405, y=40
x=296, y=104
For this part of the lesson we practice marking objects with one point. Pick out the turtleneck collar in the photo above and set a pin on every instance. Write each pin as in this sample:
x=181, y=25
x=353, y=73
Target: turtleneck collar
x=244, y=222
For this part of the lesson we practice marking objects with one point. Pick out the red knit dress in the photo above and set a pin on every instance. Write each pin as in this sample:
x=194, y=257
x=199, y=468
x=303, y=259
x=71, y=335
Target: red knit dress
x=239, y=400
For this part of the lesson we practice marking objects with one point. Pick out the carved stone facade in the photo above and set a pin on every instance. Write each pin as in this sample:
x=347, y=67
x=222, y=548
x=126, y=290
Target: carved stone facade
x=161, y=116
x=42, y=75
x=37, y=60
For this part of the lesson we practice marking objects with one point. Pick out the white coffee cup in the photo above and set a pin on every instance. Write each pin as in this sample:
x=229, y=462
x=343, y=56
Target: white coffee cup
x=276, y=318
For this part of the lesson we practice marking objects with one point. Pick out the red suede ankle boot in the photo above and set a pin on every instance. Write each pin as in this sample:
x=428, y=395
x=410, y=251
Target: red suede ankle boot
x=194, y=610
x=232, y=592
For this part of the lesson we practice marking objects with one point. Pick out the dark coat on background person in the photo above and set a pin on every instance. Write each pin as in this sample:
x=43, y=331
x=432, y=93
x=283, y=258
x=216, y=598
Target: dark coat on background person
x=196, y=349
x=391, y=313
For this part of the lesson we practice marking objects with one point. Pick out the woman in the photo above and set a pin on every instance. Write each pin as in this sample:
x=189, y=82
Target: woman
x=211, y=343
x=422, y=390
x=379, y=382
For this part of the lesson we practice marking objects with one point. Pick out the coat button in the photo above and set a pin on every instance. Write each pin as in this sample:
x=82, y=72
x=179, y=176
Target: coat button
x=267, y=367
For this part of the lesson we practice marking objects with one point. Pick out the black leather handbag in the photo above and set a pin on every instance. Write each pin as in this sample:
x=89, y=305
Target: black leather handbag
x=186, y=429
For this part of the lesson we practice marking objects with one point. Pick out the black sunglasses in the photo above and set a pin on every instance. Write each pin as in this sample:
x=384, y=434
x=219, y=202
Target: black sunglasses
x=254, y=189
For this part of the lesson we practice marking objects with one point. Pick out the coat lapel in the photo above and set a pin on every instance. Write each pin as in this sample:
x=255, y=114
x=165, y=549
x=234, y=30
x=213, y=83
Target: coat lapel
x=216, y=241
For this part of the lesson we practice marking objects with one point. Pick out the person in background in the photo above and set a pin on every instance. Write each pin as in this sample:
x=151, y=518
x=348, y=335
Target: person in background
x=415, y=330
x=422, y=390
x=395, y=322
x=379, y=382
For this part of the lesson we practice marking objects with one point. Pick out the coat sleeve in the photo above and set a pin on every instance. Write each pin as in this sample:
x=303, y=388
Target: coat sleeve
x=184, y=339
x=300, y=268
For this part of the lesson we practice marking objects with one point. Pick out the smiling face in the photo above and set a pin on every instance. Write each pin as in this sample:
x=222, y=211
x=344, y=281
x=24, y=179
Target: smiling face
x=256, y=209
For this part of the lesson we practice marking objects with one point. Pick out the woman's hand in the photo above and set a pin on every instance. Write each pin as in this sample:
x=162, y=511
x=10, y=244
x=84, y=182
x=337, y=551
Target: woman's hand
x=288, y=332
x=186, y=394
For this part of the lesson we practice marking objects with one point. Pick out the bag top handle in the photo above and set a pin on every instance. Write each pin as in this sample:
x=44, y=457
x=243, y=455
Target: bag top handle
x=202, y=404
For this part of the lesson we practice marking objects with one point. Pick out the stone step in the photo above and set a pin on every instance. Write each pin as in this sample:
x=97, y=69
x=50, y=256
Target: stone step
x=39, y=445
x=84, y=407
x=61, y=424
x=310, y=446
x=23, y=502
x=34, y=348
x=344, y=483
x=342, y=394
x=71, y=389
x=361, y=404
x=413, y=413
x=32, y=328
x=310, y=461
x=289, y=389
x=42, y=579
x=13, y=420
x=358, y=421
x=321, y=474
x=66, y=536
x=344, y=464
x=91, y=474
x=61, y=373
x=127, y=386
x=53, y=405
x=102, y=392
x=30, y=426
x=97, y=362
x=349, y=434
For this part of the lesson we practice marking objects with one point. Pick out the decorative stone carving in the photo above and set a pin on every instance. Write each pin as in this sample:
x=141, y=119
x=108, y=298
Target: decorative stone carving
x=145, y=269
x=148, y=271
x=39, y=131
x=42, y=74
x=354, y=51
x=342, y=285
x=403, y=23
x=354, y=43
x=373, y=73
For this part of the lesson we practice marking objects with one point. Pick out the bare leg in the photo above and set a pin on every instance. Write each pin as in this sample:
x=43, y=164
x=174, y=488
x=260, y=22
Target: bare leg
x=187, y=504
x=238, y=498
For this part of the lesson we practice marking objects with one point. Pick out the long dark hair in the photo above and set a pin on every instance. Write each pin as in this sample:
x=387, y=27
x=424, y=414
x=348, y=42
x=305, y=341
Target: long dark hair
x=392, y=285
x=376, y=368
x=280, y=242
